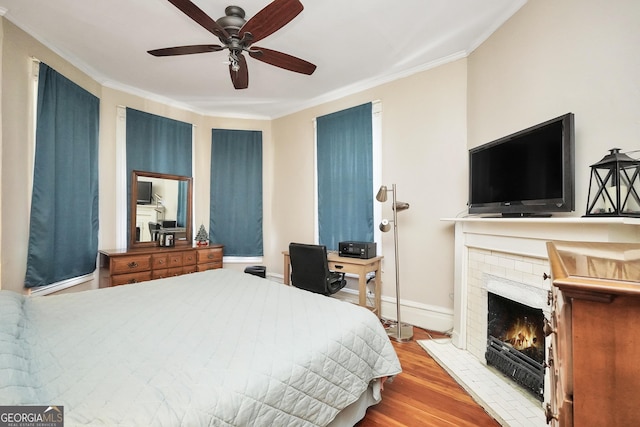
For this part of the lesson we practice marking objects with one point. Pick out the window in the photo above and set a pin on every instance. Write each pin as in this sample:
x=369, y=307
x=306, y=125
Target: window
x=158, y=144
x=236, y=192
x=345, y=159
x=63, y=228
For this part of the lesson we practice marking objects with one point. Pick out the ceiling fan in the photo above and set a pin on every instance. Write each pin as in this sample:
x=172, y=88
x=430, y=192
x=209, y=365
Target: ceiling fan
x=237, y=35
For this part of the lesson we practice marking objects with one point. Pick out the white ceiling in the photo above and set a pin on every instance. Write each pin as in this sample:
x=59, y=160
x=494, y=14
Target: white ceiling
x=356, y=44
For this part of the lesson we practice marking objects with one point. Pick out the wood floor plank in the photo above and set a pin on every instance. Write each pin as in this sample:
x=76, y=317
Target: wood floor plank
x=424, y=394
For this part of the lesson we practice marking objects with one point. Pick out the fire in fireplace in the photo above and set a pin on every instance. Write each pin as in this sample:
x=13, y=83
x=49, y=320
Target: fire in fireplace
x=515, y=342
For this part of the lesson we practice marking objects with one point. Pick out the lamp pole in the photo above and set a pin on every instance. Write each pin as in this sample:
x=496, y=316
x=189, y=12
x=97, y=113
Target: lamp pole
x=401, y=333
x=395, y=245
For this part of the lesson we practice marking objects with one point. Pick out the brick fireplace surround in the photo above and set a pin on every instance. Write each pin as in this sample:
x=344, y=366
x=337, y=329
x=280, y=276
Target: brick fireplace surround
x=508, y=256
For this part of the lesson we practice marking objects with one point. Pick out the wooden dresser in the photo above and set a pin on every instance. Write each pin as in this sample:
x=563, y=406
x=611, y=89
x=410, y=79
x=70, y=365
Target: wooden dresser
x=594, y=373
x=125, y=266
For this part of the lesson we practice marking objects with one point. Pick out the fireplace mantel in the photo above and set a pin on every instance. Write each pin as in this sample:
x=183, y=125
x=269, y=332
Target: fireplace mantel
x=524, y=237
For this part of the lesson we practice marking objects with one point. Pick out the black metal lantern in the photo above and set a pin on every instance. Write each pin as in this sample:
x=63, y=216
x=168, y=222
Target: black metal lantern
x=614, y=189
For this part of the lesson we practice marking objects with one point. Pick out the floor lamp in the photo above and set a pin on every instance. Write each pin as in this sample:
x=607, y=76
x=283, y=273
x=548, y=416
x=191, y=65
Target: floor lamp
x=401, y=331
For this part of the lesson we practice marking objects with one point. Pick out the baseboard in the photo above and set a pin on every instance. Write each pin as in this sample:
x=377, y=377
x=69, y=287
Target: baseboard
x=425, y=316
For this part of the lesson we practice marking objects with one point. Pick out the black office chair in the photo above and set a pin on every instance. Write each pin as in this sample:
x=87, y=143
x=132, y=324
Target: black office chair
x=310, y=269
x=154, y=229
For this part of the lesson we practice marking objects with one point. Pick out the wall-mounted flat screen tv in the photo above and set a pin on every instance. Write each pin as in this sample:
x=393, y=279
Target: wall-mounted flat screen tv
x=145, y=195
x=530, y=172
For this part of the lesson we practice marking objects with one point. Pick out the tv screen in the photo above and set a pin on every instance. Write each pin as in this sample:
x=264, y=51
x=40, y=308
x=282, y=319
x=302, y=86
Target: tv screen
x=529, y=172
x=145, y=193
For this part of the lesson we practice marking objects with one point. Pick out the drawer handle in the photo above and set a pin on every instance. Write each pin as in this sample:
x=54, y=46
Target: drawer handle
x=211, y=256
x=339, y=267
x=161, y=262
x=550, y=414
x=132, y=264
x=133, y=281
x=548, y=328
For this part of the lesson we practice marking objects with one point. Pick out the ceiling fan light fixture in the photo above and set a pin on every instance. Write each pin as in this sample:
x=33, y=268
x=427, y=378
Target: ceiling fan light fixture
x=237, y=35
x=233, y=60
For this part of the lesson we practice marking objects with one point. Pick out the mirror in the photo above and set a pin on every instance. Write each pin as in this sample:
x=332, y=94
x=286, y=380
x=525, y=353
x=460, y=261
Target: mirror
x=160, y=204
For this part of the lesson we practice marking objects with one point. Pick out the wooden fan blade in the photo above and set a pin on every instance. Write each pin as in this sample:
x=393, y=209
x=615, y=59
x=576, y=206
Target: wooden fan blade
x=186, y=50
x=240, y=78
x=282, y=60
x=198, y=15
x=270, y=19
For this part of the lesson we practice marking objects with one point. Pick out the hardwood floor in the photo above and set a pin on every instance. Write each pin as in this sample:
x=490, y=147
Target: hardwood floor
x=424, y=394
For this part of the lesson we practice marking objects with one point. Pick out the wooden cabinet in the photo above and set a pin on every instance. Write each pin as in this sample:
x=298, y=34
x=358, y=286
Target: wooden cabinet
x=594, y=376
x=208, y=259
x=122, y=266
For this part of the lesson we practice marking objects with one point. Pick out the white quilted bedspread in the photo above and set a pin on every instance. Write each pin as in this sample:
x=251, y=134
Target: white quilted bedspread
x=218, y=348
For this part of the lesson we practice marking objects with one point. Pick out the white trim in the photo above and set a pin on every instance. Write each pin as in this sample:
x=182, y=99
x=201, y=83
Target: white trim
x=193, y=183
x=376, y=125
x=431, y=317
x=242, y=260
x=58, y=286
x=316, y=225
x=33, y=122
x=121, y=177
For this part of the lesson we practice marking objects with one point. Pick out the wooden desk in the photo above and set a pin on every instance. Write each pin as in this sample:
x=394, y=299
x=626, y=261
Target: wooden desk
x=353, y=266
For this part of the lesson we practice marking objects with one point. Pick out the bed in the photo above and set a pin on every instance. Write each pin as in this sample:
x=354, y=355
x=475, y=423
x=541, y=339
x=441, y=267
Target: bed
x=218, y=348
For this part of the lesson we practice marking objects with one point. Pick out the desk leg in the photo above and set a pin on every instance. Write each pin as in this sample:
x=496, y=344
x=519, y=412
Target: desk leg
x=287, y=269
x=362, y=288
x=378, y=290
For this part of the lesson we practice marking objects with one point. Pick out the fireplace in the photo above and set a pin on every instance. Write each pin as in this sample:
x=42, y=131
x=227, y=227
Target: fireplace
x=515, y=342
x=508, y=257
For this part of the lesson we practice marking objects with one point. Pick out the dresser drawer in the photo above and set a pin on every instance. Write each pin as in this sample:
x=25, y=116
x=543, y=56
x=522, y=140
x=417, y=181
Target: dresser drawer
x=130, y=264
x=127, y=279
x=175, y=260
x=209, y=266
x=189, y=258
x=209, y=255
x=175, y=271
x=160, y=273
x=189, y=269
x=159, y=261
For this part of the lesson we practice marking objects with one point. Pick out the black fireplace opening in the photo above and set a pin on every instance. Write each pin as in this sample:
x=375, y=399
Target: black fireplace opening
x=515, y=343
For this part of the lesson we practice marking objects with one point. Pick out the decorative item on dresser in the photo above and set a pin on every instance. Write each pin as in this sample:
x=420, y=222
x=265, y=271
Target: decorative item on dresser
x=594, y=376
x=202, y=238
x=126, y=266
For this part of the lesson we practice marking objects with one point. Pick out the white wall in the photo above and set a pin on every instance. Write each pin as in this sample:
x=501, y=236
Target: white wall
x=553, y=57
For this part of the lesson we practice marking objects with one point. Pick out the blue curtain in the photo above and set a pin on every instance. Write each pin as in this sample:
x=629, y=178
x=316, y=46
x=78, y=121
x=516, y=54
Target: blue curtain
x=236, y=191
x=158, y=144
x=345, y=176
x=183, y=188
x=63, y=233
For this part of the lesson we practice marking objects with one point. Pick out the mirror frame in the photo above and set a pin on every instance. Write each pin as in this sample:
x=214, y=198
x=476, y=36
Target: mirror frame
x=133, y=209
